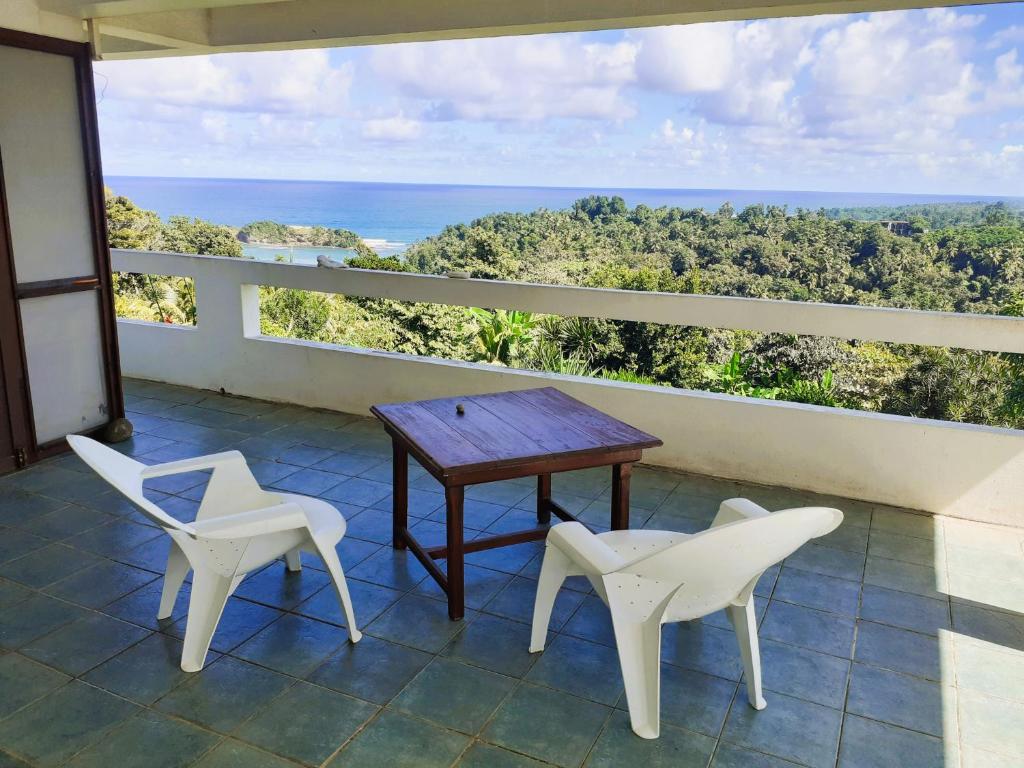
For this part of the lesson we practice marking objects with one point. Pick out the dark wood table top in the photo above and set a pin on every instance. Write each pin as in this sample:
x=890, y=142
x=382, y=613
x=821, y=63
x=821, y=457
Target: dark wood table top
x=506, y=429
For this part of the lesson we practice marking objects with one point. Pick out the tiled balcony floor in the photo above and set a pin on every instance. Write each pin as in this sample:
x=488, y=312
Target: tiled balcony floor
x=896, y=641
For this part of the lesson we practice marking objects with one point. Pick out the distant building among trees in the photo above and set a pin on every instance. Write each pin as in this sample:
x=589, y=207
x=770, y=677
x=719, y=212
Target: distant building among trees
x=900, y=228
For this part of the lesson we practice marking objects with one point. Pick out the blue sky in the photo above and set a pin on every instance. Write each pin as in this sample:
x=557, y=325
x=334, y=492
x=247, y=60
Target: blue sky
x=918, y=101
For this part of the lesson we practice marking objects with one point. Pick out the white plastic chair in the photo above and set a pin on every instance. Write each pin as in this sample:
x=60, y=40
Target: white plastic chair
x=650, y=578
x=239, y=528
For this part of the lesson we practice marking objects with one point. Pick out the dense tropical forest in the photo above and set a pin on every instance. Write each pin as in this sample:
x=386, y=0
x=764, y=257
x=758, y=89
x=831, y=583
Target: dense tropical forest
x=962, y=258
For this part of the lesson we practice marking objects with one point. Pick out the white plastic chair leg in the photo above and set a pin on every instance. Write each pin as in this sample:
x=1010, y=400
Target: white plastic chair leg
x=639, y=645
x=553, y=572
x=330, y=557
x=177, y=569
x=210, y=591
x=744, y=623
x=294, y=560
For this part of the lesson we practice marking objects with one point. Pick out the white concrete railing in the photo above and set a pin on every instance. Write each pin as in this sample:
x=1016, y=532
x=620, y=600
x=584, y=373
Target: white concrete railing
x=957, y=469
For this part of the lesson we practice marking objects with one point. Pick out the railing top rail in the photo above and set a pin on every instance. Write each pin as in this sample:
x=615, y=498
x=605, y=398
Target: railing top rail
x=992, y=333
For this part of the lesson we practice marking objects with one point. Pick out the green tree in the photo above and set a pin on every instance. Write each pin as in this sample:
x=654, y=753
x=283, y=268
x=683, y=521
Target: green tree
x=185, y=235
x=129, y=226
x=502, y=335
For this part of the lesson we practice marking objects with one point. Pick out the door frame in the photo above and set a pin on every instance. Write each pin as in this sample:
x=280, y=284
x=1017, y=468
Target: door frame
x=12, y=350
x=101, y=281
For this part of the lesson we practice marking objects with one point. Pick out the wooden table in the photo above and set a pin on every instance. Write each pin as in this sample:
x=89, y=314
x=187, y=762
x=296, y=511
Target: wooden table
x=499, y=437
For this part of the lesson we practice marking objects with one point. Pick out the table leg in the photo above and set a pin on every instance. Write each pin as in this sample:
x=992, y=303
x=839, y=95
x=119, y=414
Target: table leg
x=453, y=497
x=543, y=499
x=400, y=492
x=620, y=496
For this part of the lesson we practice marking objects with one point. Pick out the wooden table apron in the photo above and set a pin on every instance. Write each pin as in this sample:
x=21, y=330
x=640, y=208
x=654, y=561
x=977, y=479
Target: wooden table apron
x=616, y=445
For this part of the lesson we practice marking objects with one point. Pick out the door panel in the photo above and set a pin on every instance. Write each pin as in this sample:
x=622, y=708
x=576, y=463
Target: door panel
x=63, y=345
x=41, y=137
x=57, y=308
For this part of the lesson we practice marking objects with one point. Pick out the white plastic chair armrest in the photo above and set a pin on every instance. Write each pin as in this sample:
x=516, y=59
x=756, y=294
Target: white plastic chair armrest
x=280, y=517
x=734, y=510
x=833, y=522
x=212, y=461
x=584, y=548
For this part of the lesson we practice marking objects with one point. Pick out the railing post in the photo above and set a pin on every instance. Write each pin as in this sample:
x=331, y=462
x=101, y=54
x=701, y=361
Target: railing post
x=224, y=306
x=250, y=299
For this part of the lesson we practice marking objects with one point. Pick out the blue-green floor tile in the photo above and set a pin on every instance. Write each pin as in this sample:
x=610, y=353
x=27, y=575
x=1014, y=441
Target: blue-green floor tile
x=293, y=645
x=57, y=726
x=393, y=740
x=898, y=649
x=85, y=643
x=789, y=728
x=674, y=747
x=516, y=602
x=278, y=587
x=144, y=672
x=419, y=622
x=307, y=723
x=235, y=754
x=482, y=755
x=493, y=643
x=47, y=565
x=101, y=584
x=902, y=609
x=579, y=667
x=240, y=621
x=814, y=590
x=372, y=669
x=225, y=694
x=454, y=695
x=22, y=681
x=546, y=724
x=147, y=740
x=871, y=744
x=809, y=628
x=34, y=617
x=369, y=601
x=909, y=702
x=804, y=673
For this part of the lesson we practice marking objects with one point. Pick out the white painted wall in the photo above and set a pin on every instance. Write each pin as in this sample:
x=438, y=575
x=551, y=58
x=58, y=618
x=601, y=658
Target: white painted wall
x=954, y=469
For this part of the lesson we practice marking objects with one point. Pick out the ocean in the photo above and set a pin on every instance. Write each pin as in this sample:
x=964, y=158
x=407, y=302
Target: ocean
x=391, y=216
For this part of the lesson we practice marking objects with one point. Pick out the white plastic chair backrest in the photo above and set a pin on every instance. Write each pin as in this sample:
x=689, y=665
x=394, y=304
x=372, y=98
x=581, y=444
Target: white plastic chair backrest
x=713, y=567
x=125, y=474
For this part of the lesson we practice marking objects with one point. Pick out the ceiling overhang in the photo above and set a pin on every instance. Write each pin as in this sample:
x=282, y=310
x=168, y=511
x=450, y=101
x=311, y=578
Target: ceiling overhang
x=125, y=29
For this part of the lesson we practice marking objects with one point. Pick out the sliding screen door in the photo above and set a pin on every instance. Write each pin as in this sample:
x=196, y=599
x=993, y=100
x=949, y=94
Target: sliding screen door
x=56, y=236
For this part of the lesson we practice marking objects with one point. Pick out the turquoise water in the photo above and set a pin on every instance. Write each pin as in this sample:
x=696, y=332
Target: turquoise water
x=391, y=216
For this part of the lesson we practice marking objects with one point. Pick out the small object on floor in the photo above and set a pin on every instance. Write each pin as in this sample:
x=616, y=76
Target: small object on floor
x=328, y=263
x=460, y=409
x=117, y=431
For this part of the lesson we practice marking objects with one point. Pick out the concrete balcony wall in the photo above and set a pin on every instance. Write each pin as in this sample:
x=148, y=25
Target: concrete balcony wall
x=953, y=469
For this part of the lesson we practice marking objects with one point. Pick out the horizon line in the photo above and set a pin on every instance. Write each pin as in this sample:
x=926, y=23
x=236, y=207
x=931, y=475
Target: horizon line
x=975, y=197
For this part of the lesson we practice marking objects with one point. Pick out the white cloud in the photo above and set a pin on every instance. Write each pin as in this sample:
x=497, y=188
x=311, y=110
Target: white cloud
x=740, y=73
x=397, y=128
x=674, y=135
x=511, y=79
x=215, y=126
x=295, y=82
x=697, y=58
x=1006, y=36
x=926, y=98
